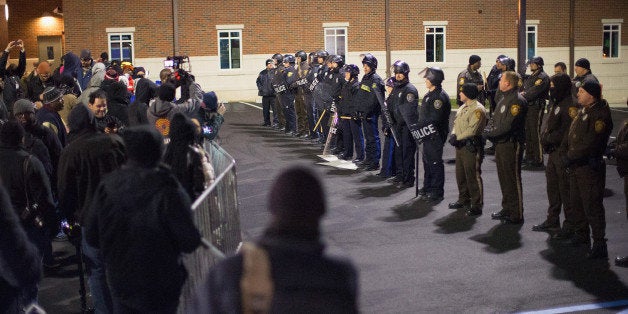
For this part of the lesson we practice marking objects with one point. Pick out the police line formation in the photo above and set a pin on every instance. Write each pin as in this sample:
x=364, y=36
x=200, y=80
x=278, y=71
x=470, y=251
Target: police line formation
x=319, y=98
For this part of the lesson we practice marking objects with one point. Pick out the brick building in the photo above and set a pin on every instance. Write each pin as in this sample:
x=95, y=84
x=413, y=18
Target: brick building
x=228, y=41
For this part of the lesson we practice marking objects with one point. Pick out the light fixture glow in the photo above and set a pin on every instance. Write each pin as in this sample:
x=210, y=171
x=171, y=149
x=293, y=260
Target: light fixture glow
x=6, y=11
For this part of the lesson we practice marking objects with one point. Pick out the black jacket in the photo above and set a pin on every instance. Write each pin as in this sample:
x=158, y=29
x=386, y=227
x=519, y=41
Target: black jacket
x=141, y=220
x=264, y=83
x=305, y=280
x=435, y=108
x=13, y=89
x=370, y=96
x=403, y=104
x=348, y=105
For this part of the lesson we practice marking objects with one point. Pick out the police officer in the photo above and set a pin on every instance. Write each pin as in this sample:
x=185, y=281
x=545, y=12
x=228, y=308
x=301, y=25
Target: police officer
x=320, y=95
x=506, y=130
x=493, y=89
x=561, y=112
x=327, y=92
x=586, y=144
x=389, y=168
x=277, y=78
x=535, y=91
x=370, y=98
x=303, y=68
x=471, y=75
x=403, y=101
x=287, y=94
x=265, y=89
x=583, y=74
x=466, y=137
x=313, y=79
x=434, y=110
x=349, y=122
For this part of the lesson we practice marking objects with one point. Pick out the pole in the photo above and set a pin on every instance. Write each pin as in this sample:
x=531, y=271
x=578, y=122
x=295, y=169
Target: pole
x=572, y=35
x=521, y=38
x=387, y=37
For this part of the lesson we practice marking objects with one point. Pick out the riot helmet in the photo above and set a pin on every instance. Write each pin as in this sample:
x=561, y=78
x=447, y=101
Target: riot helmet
x=322, y=54
x=301, y=54
x=370, y=60
x=435, y=75
x=537, y=60
x=289, y=59
x=338, y=60
x=401, y=67
x=352, y=69
x=278, y=58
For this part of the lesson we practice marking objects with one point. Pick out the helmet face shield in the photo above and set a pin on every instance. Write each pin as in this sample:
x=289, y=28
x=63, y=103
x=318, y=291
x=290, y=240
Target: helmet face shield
x=400, y=67
x=370, y=60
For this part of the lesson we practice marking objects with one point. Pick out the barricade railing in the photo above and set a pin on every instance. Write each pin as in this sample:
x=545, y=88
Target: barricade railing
x=217, y=217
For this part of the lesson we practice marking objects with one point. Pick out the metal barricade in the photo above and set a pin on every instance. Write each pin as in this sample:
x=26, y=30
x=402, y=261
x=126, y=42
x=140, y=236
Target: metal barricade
x=217, y=217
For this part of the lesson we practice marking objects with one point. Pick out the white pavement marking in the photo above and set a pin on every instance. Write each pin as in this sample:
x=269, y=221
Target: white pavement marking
x=583, y=307
x=251, y=105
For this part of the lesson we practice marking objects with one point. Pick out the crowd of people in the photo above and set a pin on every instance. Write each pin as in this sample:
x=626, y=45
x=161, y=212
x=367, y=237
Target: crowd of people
x=87, y=138
x=518, y=118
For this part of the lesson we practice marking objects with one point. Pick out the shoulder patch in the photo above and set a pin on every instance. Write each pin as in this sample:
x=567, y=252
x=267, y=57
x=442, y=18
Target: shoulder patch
x=365, y=87
x=410, y=97
x=51, y=126
x=438, y=104
x=538, y=82
x=515, y=109
x=479, y=113
x=600, y=126
x=163, y=126
x=573, y=112
x=520, y=82
x=461, y=81
x=374, y=86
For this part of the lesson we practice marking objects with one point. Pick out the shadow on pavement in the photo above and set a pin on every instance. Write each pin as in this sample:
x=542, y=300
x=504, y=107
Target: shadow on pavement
x=457, y=221
x=385, y=190
x=592, y=276
x=501, y=238
x=414, y=209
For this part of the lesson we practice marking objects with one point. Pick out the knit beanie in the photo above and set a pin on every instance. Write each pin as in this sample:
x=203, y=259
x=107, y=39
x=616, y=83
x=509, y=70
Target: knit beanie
x=473, y=59
x=593, y=89
x=211, y=101
x=166, y=92
x=297, y=199
x=23, y=105
x=470, y=90
x=583, y=63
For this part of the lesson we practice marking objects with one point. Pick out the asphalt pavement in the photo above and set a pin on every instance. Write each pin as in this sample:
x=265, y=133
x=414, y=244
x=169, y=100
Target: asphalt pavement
x=412, y=256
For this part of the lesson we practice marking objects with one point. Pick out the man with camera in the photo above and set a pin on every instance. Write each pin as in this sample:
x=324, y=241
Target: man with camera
x=11, y=75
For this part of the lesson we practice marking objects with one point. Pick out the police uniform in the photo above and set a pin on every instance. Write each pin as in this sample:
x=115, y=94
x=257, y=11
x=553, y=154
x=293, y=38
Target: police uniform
x=561, y=113
x=468, y=126
x=369, y=99
x=313, y=80
x=300, y=104
x=469, y=76
x=326, y=93
x=586, y=144
x=506, y=130
x=403, y=102
x=434, y=109
x=535, y=91
x=351, y=128
x=493, y=85
x=288, y=96
x=277, y=81
x=578, y=81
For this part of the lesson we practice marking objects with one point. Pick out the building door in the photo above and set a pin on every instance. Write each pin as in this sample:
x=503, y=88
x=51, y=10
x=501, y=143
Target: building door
x=50, y=49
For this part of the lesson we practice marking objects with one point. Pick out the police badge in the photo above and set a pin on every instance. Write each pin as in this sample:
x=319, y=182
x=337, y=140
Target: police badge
x=599, y=126
x=438, y=103
x=410, y=97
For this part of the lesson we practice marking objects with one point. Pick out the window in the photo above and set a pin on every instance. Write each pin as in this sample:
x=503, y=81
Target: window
x=230, y=50
x=121, y=43
x=336, y=41
x=611, y=43
x=531, y=40
x=435, y=41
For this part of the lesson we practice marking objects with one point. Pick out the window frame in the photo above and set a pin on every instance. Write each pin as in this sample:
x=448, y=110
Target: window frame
x=229, y=39
x=121, y=31
x=435, y=25
x=617, y=43
x=336, y=27
x=532, y=24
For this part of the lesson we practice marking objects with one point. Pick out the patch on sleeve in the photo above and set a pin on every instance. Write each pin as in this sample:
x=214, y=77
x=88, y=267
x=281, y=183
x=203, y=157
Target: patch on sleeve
x=573, y=112
x=600, y=126
x=461, y=81
x=438, y=104
x=538, y=82
x=520, y=83
x=515, y=109
x=410, y=97
x=479, y=113
x=289, y=74
x=365, y=87
x=51, y=126
x=374, y=86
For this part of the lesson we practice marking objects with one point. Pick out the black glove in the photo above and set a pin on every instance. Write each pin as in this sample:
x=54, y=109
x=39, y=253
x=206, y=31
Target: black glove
x=453, y=140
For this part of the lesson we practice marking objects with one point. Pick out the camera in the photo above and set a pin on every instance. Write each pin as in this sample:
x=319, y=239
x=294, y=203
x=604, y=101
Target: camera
x=177, y=62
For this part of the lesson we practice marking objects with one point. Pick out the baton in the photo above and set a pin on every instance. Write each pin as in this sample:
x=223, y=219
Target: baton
x=319, y=119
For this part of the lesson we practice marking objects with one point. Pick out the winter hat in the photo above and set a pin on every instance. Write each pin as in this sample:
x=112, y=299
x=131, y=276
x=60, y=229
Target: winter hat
x=111, y=73
x=86, y=54
x=583, y=63
x=470, y=90
x=473, y=59
x=23, y=105
x=144, y=145
x=81, y=118
x=166, y=92
x=297, y=199
x=12, y=133
x=593, y=89
x=51, y=94
x=211, y=101
x=182, y=129
x=269, y=61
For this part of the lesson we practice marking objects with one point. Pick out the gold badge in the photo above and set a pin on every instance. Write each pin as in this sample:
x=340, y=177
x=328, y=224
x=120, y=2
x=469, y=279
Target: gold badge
x=538, y=82
x=514, y=109
x=573, y=112
x=520, y=83
x=374, y=86
x=461, y=81
x=599, y=126
x=289, y=74
x=478, y=114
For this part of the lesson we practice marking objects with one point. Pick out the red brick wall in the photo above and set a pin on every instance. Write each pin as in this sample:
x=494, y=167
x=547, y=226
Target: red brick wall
x=25, y=23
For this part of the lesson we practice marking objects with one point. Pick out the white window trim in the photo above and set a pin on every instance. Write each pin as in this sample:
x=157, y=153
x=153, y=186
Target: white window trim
x=230, y=27
x=121, y=31
x=442, y=24
x=611, y=22
x=339, y=25
x=218, y=31
x=536, y=36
